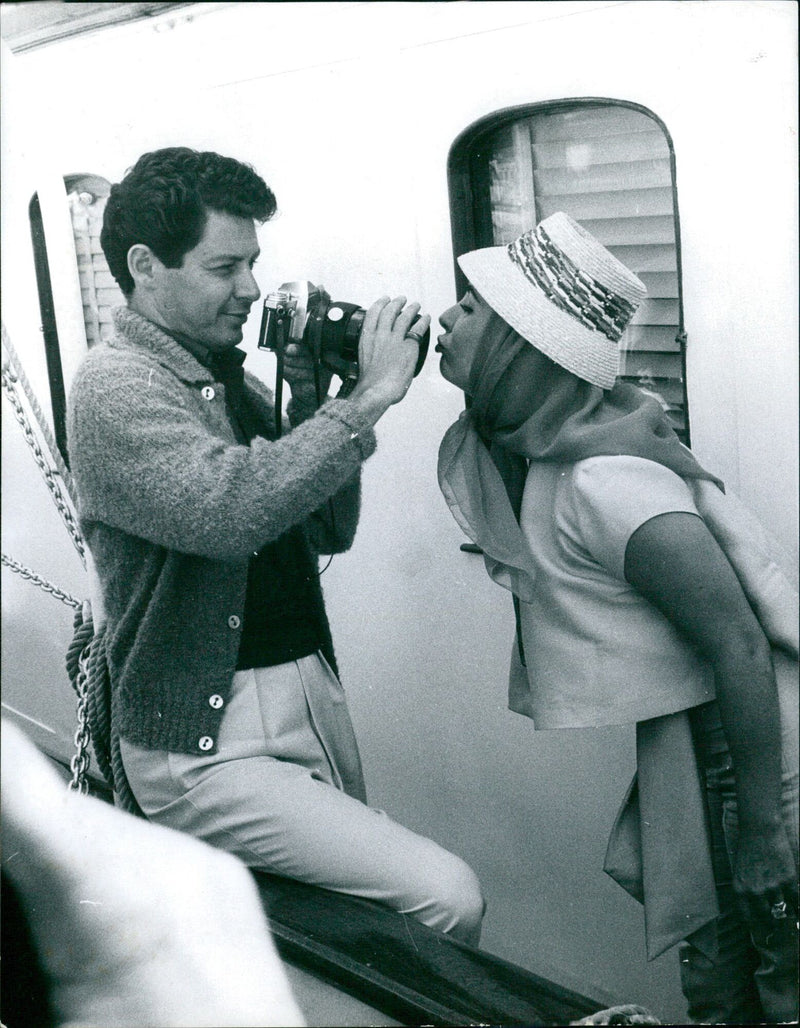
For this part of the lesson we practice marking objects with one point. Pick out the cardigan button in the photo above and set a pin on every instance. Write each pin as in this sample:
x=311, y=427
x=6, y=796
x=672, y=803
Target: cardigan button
x=216, y=701
x=208, y=393
x=205, y=742
x=234, y=621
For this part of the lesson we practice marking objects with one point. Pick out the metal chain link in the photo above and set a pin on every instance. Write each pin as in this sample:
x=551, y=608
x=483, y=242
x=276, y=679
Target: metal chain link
x=48, y=587
x=79, y=765
x=36, y=410
x=9, y=380
x=11, y=375
x=81, y=759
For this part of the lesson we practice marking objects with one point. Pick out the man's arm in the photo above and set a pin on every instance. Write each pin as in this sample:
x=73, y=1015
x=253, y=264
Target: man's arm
x=332, y=527
x=387, y=358
x=386, y=361
x=148, y=460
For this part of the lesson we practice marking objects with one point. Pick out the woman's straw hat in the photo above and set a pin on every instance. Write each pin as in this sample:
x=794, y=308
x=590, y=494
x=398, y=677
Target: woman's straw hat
x=562, y=291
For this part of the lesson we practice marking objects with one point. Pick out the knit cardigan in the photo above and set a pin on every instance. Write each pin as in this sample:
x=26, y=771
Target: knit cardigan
x=172, y=508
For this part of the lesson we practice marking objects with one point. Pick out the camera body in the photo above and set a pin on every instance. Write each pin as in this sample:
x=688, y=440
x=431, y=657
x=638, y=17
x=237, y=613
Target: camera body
x=301, y=312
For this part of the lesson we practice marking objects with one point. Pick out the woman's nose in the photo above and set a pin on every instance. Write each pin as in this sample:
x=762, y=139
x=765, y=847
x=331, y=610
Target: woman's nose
x=446, y=319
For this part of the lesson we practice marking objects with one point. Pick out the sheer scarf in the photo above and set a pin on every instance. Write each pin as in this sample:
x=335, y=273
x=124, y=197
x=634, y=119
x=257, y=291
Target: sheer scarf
x=522, y=407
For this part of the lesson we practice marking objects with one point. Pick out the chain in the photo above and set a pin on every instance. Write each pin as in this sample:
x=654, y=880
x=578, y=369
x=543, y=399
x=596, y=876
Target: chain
x=64, y=509
x=41, y=420
x=48, y=587
x=79, y=765
x=13, y=374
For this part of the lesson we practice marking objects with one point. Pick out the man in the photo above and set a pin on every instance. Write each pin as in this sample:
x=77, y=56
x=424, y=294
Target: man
x=205, y=529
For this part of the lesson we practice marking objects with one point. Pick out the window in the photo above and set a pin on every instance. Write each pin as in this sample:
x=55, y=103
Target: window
x=609, y=165
x=86, y=197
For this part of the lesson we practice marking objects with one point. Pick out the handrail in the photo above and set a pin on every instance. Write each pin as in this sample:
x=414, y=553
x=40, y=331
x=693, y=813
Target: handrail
x=404, y=969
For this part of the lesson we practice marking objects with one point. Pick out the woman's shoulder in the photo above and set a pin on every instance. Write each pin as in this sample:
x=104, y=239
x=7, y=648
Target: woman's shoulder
x=605, y=499
x=623, y=476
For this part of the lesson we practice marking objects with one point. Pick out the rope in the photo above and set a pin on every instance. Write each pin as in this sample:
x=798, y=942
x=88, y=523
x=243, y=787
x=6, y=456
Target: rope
x=87, y=667
x=122, y=790
x=99, y=713
x=85, y=652
x=86, y=661
x=88, y=673
x=82, y=632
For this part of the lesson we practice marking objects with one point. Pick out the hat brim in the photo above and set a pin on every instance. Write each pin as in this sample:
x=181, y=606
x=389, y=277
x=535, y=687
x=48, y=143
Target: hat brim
x=583, y=351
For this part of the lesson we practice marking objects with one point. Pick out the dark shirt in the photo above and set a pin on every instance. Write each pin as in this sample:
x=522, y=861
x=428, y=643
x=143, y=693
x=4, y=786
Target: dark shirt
x=284, y=613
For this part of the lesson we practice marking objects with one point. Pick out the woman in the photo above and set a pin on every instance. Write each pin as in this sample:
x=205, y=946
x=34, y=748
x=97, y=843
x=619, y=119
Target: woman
x=620, y=551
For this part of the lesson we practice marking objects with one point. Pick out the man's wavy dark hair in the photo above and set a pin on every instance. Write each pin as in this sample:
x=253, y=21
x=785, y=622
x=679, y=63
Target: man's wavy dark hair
x=164, y=199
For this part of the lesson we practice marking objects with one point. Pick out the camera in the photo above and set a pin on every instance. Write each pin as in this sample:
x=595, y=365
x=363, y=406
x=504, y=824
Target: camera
x=303, y=312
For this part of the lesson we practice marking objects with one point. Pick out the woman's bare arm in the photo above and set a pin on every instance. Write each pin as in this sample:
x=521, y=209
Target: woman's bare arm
x=675, y=562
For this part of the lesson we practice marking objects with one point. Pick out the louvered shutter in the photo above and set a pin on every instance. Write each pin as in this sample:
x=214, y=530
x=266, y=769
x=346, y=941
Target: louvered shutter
x=87, y=196
x=607, y=166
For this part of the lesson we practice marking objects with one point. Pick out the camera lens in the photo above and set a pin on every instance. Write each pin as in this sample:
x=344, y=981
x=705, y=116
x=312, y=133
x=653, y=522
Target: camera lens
x=337, y=335
x=340, y=332
x=352, y=334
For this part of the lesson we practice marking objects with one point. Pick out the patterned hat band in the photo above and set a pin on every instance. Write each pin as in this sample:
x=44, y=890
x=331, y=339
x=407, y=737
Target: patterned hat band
x=569, y=288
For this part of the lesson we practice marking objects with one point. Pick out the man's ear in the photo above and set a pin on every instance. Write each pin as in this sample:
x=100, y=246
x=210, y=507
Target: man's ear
x=143, y=265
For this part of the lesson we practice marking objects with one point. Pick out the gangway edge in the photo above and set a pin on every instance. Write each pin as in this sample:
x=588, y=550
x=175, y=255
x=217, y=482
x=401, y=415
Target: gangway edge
x=403, y=968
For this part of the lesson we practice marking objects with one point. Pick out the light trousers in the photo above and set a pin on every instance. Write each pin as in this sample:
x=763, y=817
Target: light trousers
x=284, y=793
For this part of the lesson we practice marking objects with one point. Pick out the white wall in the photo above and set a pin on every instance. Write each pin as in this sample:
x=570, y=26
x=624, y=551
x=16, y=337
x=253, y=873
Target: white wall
x=349, y=111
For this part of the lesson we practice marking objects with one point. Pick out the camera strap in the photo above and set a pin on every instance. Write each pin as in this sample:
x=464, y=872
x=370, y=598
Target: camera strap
x=280, y=347
x=279, y=379
x=316, y=347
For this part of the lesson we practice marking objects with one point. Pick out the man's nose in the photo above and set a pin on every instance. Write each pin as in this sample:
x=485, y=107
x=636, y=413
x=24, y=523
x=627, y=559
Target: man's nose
x=246, y=286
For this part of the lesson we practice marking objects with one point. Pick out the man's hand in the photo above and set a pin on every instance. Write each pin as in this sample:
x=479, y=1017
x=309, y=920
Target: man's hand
x=386, y=356
x=298, y=370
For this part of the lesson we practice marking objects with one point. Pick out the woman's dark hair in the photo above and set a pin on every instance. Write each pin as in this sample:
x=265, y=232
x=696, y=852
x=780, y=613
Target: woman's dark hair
x=164, y=199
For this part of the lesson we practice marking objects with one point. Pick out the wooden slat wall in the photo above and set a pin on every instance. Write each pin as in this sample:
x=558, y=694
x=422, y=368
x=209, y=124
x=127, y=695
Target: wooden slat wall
x=99, y=291
x=609, y=168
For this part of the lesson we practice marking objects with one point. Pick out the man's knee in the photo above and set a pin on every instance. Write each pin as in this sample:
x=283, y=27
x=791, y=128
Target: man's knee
x=456, y=904
x=469, y=906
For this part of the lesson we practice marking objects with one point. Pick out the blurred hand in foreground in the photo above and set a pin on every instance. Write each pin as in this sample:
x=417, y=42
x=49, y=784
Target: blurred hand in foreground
x=134, y=924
